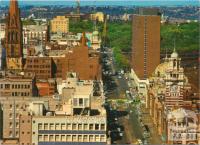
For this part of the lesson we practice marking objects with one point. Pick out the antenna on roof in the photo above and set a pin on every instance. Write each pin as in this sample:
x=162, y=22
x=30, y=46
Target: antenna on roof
x=174, y=45
x=166, y=53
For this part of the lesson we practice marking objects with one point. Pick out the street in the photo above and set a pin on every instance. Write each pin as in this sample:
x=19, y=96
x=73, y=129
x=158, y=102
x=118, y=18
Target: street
x=124, y=119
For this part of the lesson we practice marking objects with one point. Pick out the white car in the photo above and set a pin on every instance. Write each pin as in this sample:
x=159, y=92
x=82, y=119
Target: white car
x=140, y=141
x=119, y=77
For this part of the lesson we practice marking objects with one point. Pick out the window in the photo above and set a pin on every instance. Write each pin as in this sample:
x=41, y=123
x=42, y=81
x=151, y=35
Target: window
x=11, y=124
x=79, y=126
x=96, y=138
x=63, y=126
x=96, y=126
x=68, y=126
x=45, y=137
x=45, y=126
x=51, y=138
x=91, y=138
x=81, y=102
x=17, y=124
x=102, y=126
x=40, y=126
x=68, y=137
x=85, y=126
x=10, y=133
x=85, y=138
x=63, y=138
x=102, y=138
x=40, y=138
x=73, y=137
x=17, y=115
x=57, y=138
x=57, y=126
x=91, y=127
x=51, y=126
x=79, y=138
x=73, y=126
x=7, y=86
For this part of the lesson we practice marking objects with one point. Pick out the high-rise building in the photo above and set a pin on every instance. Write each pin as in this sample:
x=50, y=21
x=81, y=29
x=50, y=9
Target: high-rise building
x=60, y=24
x=145, y=44
x=13, y=42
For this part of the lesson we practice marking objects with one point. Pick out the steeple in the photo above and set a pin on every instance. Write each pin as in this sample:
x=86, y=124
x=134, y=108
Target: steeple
x=13, y=43
x=13, y=7
x=83, y=40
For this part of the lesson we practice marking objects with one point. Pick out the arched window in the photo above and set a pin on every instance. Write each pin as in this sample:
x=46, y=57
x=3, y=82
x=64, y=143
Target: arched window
x=12, y=36
x=12, y=51
x=16, y=37
x=174, y=63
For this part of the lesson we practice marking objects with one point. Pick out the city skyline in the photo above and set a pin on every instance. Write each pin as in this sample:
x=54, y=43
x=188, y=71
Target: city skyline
x=107, y=3
x=99, y=75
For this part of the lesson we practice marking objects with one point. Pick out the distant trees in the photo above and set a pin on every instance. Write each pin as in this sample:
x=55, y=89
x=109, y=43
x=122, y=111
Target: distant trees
x=119, y=34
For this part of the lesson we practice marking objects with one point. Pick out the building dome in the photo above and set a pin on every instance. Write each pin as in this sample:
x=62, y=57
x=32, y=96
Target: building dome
x=95, y=33
x=174, y=54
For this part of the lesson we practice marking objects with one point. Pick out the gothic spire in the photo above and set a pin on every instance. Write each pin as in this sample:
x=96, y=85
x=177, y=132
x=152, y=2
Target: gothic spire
x=13, y=7
x=83, y=40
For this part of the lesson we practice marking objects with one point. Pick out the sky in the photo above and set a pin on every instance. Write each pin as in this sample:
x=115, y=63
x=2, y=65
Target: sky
x=108, y=2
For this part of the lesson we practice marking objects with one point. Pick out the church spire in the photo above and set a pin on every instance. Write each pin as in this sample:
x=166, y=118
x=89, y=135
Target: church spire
x=13, y=7
x=13, y=43
x=83, y=40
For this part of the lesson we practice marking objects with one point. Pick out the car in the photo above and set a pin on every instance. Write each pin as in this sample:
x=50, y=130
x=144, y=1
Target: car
x=139, y=141
x=121, y=134
x=119, y=77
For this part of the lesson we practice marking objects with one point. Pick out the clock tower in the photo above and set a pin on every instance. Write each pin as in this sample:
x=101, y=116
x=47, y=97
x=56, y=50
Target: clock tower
x=174, y=81
x=13, y=37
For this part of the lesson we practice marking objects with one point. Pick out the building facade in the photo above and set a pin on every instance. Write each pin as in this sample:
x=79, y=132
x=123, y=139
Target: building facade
x=167, y=104
x=60, y=24
x=183, y=127
x=41, y=66
x=15, y=85
x=13, y=38
x=145, y=44
x=35, y=32
x=99, y=16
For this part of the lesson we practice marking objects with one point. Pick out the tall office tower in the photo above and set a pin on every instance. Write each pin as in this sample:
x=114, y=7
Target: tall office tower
x=145, y=42
x=13, y=44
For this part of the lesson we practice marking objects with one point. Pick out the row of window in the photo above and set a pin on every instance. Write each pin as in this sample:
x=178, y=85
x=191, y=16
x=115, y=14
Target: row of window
x=14, y=86
x=180, y=136
x=60, y=22
x=39, y=66
x=72, y=138
x=20, y=94
x=39, y=60
x=71, y=126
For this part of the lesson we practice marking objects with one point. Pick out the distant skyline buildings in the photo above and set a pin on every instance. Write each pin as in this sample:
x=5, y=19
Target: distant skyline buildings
x=106, y=2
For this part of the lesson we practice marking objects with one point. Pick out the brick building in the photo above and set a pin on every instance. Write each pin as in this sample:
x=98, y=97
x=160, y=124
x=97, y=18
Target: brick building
x=145, y=44
x=41, y=66
x=77, y=59
x=16, y=84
